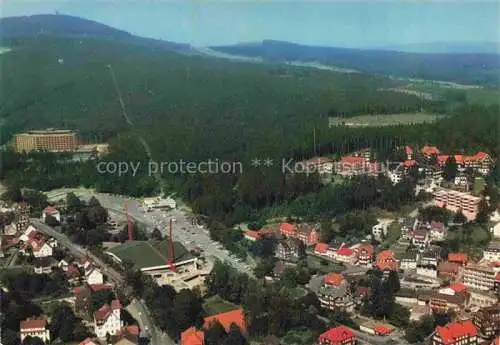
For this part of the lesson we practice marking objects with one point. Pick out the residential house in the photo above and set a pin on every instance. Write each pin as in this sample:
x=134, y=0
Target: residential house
x=429, y=151
x=487, y=321
x=51, y=211
x=287, y=249
x=386, y=261
x=345, y=254
x=340, y=335
x=73, y=275
x=364, y=253
x=431, y=256
x=480, y=277
x=63, y=264
x=409, y=260
x=83, y=300
x=321, y=248
x=334, y=293
x=94, y=276
x=30, y=232
x=126, y=336
x=192, y=336
x=43, y=265
x=39, y=247
x=456, y=333
x=407, y=228
x=306, y=233
x=107, y=320
x=409, y=152
x=492, y=253
x=420, y=239
x=437, y=231
x=448, y=270
x=429, y=271
x=35, y=327
x=251, y=235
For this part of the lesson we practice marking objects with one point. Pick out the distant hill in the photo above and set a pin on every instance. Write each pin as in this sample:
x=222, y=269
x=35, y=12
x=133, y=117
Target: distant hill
x=447, y=48
x=68, y=26
x=454, y=67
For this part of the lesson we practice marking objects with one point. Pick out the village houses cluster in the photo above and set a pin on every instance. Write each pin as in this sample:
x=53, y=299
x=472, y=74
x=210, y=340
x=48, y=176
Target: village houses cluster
x=83, y=276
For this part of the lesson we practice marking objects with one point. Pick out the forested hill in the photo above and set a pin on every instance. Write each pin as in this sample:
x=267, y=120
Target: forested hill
x=473, y=68
x=57, y=25
x=194, y=108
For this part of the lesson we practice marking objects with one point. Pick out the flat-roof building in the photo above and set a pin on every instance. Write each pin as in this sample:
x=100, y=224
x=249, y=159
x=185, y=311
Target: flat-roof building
x=457, y=202
x=49, y=140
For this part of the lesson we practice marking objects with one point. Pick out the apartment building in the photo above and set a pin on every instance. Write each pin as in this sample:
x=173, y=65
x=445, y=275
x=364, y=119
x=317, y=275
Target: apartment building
x=487, y=321
x=480, y=277
x=492, y=253
x=355, y=165
x=49, y=140
x=457, y=202
x=456, y=333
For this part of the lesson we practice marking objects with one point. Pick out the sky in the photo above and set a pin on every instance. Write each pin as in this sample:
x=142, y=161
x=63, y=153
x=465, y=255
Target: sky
x=360, y=24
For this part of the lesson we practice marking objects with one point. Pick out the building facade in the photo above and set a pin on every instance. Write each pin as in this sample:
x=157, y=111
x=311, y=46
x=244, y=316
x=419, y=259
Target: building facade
x=457, y=202
x=47, y=140
x=107, y=320
x=35, y=327
x=479, y=277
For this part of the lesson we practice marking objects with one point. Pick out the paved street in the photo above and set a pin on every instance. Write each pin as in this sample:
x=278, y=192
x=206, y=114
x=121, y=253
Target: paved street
x=143, y=317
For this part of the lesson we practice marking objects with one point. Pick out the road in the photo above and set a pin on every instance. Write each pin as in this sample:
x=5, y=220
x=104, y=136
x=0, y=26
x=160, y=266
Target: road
x=184, y=231
x=143, y=317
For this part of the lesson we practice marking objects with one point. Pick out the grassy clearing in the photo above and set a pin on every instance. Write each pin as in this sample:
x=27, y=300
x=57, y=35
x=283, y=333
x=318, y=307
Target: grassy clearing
x=315, y=262
x=216, y=305
x=479, y=184
x=382, y=120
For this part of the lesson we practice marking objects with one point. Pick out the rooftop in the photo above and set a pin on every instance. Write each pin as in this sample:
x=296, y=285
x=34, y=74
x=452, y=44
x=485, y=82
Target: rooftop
x=33, y=323
x=146, y=255
x=336, y=335
x=455, y=330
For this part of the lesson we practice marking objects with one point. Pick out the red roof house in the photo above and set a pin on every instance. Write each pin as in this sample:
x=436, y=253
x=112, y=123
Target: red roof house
x=252, y=235
x=335, y=279
x=227, y=319
x=458, y=287
x=386, y=261
x=321, y=248
x=430, y=150
x=455, y=333
x=458, y=258
x=192, y=336
x=337, y=336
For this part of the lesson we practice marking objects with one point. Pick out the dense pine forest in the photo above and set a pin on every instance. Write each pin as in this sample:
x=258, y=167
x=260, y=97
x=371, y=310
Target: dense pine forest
x=195, y=108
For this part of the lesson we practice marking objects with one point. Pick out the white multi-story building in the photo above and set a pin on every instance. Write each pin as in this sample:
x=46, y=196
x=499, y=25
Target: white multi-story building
x=480, y=277
x=107, y=319
x=492, y=253
x=94, y=276
x=35, y=327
